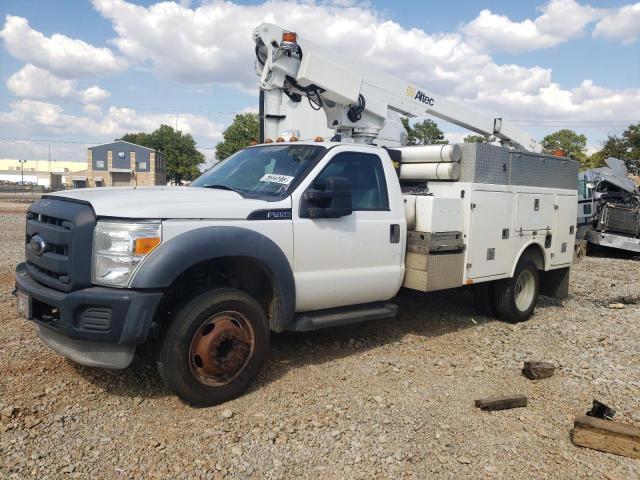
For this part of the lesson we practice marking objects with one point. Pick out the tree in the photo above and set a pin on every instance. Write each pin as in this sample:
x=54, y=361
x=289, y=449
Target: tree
x=632, y=157
x=573, y=144
x=626, y=147
x=178, y=149
x=426, y=132
x=478, y=139
x=613, y=146
x=243, y=130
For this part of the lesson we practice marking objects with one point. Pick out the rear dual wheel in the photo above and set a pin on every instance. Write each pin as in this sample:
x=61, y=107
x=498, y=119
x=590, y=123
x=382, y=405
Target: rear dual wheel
x=215, y=347
x=512, y=299
x=516, y=297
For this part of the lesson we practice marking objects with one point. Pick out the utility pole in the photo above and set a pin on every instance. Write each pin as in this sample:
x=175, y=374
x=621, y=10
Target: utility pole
x=22, y=162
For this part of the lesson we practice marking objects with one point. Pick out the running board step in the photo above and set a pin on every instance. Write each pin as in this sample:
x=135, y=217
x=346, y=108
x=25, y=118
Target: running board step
x=333, y=317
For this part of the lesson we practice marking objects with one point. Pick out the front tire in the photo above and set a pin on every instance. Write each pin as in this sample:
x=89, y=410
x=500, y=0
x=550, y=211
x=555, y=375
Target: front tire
x=516, y=297
x=215, y=347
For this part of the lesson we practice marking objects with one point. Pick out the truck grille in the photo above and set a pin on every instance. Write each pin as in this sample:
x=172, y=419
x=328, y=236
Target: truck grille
x=617, y=218
x=58, y=243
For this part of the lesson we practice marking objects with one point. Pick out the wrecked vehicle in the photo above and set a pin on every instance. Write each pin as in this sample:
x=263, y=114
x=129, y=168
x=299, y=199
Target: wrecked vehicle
x=609, y=207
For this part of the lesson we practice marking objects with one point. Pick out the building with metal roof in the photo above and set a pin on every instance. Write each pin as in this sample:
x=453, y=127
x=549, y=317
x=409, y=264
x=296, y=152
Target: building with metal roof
x=122, y=163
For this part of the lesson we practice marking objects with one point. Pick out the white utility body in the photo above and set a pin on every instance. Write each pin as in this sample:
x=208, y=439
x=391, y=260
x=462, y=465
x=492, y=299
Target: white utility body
x=298, y=235
x=471, y=210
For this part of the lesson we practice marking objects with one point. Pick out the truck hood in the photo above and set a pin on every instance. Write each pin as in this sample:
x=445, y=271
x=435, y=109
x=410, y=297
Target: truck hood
x=167, y=202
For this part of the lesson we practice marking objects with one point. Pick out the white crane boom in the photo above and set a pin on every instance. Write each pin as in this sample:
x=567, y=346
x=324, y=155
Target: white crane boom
x=356, y=99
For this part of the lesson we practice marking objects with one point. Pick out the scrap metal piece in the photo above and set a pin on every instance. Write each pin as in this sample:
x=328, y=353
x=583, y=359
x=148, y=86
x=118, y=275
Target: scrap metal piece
x=600, y=410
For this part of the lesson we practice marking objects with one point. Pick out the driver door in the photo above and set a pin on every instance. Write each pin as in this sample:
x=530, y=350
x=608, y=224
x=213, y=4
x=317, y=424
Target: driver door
x=356, y=258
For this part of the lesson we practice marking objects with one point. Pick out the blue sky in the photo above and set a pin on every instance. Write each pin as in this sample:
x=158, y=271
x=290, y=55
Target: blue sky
x=74, y=73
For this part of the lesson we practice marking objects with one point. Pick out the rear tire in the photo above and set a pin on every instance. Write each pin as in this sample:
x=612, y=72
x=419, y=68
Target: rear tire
x=516, y=297
x=215, y=347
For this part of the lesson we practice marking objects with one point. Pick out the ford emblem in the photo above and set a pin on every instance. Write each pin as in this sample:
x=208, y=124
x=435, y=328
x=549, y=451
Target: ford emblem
x=38, y=245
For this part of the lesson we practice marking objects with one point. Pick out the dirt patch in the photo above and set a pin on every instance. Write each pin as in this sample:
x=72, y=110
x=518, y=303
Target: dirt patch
x=15, y=206
x=391, y=398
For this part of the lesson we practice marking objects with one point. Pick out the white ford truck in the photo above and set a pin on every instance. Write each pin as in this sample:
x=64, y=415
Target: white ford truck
x=295, y=235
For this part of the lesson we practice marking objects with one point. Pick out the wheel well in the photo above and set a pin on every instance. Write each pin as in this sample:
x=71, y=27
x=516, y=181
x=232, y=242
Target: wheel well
x=243, y=273
x=535, y=253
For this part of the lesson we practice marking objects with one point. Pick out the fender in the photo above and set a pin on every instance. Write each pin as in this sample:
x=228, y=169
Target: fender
x=523, y=248
x=183, y=251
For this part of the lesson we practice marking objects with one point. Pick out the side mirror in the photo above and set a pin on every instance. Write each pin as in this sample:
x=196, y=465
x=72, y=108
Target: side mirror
x=331, y=200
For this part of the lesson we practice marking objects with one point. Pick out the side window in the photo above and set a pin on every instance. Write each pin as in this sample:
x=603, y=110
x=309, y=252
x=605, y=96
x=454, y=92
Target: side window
x=366, y=175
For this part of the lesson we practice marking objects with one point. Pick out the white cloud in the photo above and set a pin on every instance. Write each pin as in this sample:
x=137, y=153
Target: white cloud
x=585, y=103
x=28, y=150
x=37, y=83
x=93, y=110
x=35, y=117
x=560, y=20
x=64, y=56
x=620, y=24
x=94, y=94
x=211, y=44
x=34, y=82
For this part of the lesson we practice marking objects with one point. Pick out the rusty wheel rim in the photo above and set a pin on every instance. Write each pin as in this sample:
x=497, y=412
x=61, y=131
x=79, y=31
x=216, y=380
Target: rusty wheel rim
x=221, y=348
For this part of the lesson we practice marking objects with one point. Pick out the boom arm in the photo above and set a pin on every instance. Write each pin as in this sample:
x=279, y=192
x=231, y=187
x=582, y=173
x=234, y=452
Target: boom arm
x=355, y=99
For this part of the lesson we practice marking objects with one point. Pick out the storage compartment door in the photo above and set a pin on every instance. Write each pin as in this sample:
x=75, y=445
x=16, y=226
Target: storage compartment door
x=534, y=212
x=490, y=248
x=564, y=234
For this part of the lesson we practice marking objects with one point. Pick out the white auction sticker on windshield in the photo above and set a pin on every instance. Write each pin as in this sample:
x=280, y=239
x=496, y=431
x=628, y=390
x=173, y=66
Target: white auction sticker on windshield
x=274, y=178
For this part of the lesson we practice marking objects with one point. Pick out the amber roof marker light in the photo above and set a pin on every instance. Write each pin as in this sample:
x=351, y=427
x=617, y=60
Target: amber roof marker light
x=289, y=37
x=289, y=41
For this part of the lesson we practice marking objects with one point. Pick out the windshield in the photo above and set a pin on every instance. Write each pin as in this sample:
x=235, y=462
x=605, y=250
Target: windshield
x=262, y=172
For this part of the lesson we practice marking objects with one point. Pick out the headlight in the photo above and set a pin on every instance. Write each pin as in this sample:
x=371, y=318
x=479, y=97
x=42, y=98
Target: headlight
x=119, y=247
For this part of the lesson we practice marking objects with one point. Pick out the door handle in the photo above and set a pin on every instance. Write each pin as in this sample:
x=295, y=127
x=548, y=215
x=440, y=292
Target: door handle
x=394, y=233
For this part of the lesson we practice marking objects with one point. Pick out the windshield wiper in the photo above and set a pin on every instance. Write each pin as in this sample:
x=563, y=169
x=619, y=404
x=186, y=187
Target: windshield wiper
x=224, y=187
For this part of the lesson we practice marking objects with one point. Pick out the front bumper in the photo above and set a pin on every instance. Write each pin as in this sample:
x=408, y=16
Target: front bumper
x=96, y=326
x=614, y=240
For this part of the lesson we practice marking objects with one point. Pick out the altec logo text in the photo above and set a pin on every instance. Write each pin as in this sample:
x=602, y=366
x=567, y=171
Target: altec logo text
x=420, y=96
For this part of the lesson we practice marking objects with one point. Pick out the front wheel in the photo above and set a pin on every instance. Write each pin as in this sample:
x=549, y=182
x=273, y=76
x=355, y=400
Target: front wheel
x=516, y=297
x=214, y=347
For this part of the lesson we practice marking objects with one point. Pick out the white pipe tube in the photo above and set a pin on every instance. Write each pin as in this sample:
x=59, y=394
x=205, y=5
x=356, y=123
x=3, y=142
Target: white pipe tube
x=431, y=154
x=429, y=171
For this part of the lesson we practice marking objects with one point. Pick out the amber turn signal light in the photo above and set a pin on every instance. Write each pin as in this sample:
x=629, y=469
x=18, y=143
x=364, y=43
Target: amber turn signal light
x=142, y=246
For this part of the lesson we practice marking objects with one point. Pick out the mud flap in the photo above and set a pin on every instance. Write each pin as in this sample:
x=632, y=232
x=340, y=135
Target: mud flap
x=555, y=283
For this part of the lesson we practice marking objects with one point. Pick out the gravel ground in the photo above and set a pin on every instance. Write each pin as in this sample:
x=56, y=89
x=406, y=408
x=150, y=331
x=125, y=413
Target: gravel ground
x=384, y=399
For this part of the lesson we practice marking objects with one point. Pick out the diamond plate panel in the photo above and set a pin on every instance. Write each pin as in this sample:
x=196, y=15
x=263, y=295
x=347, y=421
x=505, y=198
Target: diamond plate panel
x=468, y=162
x=492, y=164
x=538, y=170
x=445, y=271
